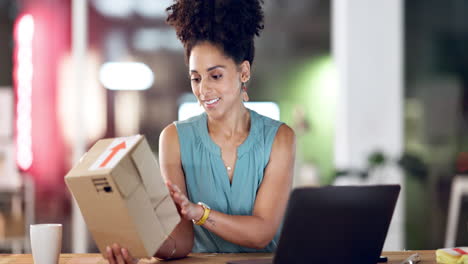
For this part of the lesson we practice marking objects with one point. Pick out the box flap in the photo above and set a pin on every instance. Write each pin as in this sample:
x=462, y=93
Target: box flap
x=82, y=167
x=126, y=177
x=149, y=226
x=167, y=214
x=115, y=156
x=165, y=210
x=114, y=152
x=149, y=172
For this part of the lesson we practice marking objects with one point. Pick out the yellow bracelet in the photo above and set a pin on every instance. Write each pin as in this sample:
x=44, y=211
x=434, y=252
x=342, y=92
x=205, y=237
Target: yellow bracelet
x=206, y=213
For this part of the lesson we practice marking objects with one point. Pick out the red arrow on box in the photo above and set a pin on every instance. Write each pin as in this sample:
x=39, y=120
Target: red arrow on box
x=114, y=151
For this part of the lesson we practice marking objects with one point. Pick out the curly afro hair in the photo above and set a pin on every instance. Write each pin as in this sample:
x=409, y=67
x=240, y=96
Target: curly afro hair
x=229, y=24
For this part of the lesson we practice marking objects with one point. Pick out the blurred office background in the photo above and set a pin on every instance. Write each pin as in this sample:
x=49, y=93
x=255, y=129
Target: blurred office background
x=376, y=92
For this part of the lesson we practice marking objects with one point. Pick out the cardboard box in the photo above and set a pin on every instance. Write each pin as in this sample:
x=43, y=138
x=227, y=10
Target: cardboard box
x=122, y=195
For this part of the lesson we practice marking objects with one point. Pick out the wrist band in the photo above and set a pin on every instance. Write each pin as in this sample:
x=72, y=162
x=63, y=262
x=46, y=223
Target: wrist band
x=206, y=213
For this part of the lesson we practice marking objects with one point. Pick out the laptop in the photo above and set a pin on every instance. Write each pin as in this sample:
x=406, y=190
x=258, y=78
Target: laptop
x=334, y=224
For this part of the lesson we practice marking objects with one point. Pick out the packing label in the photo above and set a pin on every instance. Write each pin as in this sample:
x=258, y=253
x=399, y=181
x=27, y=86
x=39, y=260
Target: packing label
x=114, y=152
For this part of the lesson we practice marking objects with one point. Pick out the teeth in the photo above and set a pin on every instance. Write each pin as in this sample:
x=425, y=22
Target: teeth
x=212, y=101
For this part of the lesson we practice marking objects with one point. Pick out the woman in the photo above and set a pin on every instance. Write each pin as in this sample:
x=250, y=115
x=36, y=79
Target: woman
x=229, y=170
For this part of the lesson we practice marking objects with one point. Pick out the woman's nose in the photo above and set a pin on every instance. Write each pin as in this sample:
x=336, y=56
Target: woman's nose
x=204, y=89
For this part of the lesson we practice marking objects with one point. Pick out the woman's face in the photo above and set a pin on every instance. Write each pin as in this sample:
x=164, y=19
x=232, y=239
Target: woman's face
x=216, y=79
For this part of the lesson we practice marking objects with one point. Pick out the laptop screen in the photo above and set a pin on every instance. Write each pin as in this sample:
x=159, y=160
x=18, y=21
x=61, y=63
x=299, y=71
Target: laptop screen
x=336, y=224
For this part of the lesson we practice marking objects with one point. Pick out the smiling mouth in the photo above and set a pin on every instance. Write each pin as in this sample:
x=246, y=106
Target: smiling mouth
x=210, y=102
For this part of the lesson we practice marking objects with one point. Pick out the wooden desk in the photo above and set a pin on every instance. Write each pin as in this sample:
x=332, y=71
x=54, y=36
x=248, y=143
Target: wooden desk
x=427, y=256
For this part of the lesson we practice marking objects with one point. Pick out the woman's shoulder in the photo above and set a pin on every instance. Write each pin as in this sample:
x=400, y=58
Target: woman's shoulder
x=194, y=120
x=190, y=125
x=265, y=120
x=275, y=129
x=266, y=125
x=182, y=130
x=169, y=134
x=285, y=133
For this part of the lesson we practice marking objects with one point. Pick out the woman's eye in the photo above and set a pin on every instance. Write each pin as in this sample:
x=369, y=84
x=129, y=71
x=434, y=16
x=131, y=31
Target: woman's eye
x=195, y=79
x=217, y=76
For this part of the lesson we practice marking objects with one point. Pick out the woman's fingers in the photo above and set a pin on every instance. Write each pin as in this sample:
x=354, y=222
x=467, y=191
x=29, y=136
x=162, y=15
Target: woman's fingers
x=110, y=255
x=181, y=200
x=118, y=254
x=168, y=183
x=176, y=188
x=129, y=259
x=177, y=198
x=172, y=187
x=184, y=204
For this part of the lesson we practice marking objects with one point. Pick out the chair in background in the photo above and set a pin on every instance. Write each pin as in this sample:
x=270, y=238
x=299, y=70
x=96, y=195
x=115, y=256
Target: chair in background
x=16, y=190
x=459, y=189
x=16, y=204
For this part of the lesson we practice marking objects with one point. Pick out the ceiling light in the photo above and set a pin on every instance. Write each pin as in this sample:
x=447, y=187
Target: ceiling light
x=126, y=76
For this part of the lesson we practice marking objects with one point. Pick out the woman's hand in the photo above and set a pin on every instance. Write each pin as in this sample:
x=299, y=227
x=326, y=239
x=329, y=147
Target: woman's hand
x=187, y=209
x=119, y=255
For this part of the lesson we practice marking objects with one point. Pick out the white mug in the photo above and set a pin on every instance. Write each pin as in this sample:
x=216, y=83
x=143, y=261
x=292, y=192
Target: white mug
x=46, y=243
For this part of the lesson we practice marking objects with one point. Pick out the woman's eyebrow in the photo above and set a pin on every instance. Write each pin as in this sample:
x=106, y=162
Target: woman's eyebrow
x=215, y=67
x=209, y=69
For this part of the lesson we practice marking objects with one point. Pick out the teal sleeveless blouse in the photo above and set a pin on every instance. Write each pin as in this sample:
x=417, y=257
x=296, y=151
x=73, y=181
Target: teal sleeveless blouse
x=207, y=180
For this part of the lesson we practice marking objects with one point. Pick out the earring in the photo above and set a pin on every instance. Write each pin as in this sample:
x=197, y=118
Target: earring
x=245, y=96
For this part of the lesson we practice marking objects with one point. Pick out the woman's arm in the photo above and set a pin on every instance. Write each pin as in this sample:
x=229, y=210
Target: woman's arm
x=171, y=170
x=257, y=230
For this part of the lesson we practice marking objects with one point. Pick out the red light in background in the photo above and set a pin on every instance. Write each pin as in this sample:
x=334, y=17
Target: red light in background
x=41, y=41
x=23, y=77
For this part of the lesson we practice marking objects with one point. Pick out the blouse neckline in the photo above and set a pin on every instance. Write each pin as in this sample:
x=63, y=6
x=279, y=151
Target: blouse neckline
x=242, y=149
